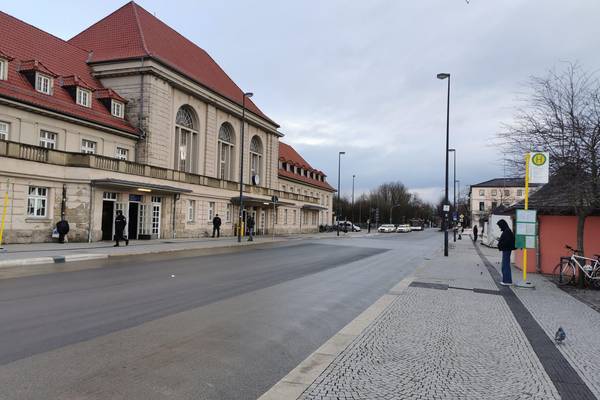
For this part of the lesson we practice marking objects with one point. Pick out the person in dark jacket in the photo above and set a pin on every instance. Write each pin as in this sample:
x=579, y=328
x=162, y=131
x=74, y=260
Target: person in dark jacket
x=217, y=226
x=506, y=244
x=120, y=223
x=250, y=224
x=475, y=233
x=62, y=227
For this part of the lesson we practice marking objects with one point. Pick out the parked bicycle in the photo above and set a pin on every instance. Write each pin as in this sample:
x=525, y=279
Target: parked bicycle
x=567, y=270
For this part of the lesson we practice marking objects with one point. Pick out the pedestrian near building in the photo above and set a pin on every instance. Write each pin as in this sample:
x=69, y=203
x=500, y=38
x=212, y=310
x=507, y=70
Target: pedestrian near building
x=506, y=244
x=216, y=226
x=250, y=224
x=120, y=223
x=475, y=233
x=62, y=227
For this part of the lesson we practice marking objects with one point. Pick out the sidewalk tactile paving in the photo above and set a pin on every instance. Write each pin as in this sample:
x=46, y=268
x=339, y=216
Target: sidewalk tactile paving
x=447, y=353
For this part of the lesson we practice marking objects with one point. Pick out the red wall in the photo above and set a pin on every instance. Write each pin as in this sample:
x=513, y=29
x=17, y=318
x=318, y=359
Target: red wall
x=555, y=232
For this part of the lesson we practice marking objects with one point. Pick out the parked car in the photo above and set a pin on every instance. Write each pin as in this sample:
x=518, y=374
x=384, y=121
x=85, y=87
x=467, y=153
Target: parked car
x=349, y=226
x=404, y=228
x=416, y=228
x=386, y=228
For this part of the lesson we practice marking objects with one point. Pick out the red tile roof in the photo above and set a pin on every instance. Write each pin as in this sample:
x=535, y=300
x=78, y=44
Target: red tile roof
x=288, y=155
x=132, y=32
x=33, y=49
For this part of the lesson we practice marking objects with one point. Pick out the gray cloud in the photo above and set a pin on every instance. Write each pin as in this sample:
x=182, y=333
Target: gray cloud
x=360, y=76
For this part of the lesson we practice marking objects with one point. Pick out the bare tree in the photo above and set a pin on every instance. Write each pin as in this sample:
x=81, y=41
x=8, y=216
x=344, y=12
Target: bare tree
x=562, y=116
x=406, y=205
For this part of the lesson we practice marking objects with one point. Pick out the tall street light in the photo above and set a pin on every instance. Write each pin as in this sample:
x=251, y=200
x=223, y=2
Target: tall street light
x=392, y=209
x=246, y=95
x=454, y=191
x=338, y=203
x=458, y=197
x=443, y=76
x=353, y=177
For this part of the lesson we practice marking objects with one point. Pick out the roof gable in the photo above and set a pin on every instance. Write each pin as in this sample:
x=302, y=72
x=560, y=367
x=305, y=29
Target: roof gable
x=132, y=32
x=32, y=50
x=289, y=155
x=505, y=182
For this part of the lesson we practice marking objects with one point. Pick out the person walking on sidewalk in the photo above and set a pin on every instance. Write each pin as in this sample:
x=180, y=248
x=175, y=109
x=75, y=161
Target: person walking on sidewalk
x=475, y=233
x=506, y=244
x=217, y=226
x=250, y=224
x=62, y=227
x=120, y=223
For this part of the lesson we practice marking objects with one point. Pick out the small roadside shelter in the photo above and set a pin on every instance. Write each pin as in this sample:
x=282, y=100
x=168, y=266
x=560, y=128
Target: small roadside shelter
x=557, y=227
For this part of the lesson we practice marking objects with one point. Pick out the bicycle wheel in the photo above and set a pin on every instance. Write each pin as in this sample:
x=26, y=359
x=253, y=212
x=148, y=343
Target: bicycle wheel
x=564, y=273
x=595, y=279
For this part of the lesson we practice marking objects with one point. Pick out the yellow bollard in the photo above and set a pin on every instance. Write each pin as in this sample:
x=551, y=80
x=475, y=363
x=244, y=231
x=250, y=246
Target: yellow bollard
x=4, y=207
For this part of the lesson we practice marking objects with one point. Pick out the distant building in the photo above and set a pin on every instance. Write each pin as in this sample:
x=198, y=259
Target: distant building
x=298, y=177
x=486, y=196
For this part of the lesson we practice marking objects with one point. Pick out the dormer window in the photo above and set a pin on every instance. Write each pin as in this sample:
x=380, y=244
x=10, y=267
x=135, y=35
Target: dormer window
x=43, y=83
x=84, y=97
x=3, y=69
x=117, y=109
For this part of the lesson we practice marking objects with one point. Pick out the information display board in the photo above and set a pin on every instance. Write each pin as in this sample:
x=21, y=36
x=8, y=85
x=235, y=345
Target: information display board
x=526, y=232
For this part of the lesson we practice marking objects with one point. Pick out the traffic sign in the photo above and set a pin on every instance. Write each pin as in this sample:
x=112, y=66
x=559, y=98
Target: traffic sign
x=539, y=167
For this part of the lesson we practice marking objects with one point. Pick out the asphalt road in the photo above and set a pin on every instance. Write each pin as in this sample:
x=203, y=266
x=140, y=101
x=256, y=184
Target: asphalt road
x=226, y=326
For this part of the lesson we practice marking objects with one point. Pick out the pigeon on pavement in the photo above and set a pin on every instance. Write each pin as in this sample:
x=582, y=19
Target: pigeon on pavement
x=560, y=335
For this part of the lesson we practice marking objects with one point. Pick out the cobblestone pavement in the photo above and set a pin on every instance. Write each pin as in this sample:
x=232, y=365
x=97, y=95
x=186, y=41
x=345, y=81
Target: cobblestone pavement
x=553, y=307
x=440, y=343
x=589, y=296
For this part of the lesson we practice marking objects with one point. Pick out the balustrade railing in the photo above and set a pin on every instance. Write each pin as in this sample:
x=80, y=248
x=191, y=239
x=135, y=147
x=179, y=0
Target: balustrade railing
x=68, y=159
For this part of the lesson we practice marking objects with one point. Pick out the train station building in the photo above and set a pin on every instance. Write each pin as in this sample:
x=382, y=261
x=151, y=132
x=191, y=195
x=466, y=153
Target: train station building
x=130, y=115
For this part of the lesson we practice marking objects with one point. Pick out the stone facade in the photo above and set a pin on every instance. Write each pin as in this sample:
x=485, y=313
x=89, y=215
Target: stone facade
x=160, y=199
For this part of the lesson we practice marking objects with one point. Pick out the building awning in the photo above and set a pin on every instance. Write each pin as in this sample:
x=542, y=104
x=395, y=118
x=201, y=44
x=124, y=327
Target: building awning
x=258, y=202
x=314, y=207
x=138, y=186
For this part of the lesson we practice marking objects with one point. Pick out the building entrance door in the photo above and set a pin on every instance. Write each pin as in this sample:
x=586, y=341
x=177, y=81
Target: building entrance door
x=132, y=221
x=108, y=209
x=263, y=222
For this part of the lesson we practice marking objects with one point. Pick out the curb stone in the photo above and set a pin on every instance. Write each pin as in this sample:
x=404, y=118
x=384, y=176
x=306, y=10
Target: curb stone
x=302, y=376
x=59, y=259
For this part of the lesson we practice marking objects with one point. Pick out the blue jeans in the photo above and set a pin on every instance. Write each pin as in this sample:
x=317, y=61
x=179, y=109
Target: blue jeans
x=506, y=273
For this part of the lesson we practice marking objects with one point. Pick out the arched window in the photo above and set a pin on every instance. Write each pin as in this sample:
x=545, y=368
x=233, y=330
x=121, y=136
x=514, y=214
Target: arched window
x=225, y=144
x=186, y=140
x=256, y=152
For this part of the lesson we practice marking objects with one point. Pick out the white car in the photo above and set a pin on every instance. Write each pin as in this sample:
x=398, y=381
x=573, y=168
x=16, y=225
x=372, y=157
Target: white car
x=386, y=228
x=403, y=228
x=349, y=226
x=416, y=228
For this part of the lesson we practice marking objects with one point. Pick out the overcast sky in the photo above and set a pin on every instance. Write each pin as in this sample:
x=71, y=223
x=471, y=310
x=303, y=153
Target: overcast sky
x=359, y=76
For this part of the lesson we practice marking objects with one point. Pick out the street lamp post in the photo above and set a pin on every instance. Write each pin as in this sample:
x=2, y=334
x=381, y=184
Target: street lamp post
x=443, y=76
x=391, y=209
x=353, y=177
x=458, y=198
x=338, y=202
x=455, y=213
x=248, y=94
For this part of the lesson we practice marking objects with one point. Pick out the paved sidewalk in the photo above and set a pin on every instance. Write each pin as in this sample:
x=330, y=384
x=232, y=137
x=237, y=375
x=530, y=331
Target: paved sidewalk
x=453, y=333
x=553, y=307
